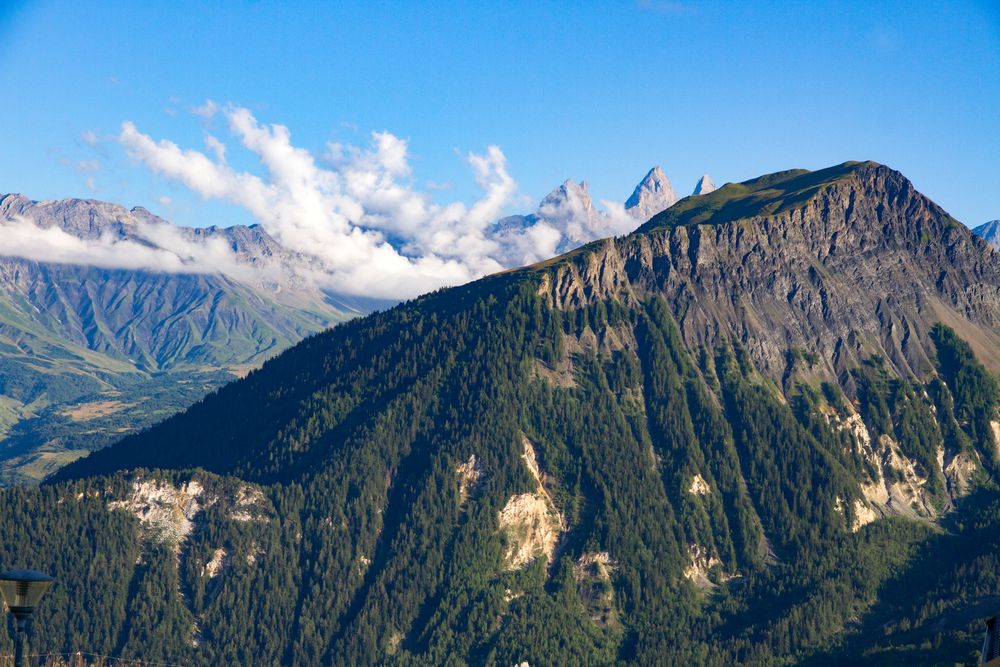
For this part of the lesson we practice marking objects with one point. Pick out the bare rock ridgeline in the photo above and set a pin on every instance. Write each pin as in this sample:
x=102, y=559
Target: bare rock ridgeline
x=846, y=262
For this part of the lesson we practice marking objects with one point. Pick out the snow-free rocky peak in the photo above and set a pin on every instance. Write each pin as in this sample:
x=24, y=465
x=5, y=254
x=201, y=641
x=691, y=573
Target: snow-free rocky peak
x=569, y=196
x=704, y=186
x=989, y=231
x=653, y=194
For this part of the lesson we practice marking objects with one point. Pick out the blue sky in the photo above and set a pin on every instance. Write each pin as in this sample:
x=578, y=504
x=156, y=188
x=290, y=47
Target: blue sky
x=582, y=90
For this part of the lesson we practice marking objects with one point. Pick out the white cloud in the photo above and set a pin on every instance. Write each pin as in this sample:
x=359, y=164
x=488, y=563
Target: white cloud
x=207, y=110
x=344, y=216
x=354, y=215
x=23, y=238
x=216, y=146
x=358, y=214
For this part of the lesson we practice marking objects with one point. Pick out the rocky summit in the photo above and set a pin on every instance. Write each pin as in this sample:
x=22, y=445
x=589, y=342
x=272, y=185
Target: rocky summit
x=990, y=232
x=704, y=185
x=762, y=429
x=653, y=194
x=570, y=210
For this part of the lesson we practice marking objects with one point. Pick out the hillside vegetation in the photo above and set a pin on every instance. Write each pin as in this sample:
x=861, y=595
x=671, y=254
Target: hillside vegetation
x=770, y=439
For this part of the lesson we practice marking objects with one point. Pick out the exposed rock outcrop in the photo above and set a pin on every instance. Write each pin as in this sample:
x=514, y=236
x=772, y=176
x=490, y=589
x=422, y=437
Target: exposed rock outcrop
x=698, y=486
x=959, y=473
x=896, y=487
x=863, y=515
x=530, y=521
x=169, y=514
x=468, y=476
x=165, y=512
x=841, y=265
x=702, y=566
x=215, y=566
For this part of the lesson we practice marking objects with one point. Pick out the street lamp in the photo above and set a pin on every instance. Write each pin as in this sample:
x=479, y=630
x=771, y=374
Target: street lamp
x=22, y=589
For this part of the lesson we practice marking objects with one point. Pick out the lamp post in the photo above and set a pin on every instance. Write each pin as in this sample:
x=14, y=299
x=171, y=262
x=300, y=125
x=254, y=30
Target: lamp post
x=22, y=589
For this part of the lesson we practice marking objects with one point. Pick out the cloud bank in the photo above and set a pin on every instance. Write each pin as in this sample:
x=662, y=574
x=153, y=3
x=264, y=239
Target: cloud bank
x=370, y=232
x=353, y=213
x=168, y=252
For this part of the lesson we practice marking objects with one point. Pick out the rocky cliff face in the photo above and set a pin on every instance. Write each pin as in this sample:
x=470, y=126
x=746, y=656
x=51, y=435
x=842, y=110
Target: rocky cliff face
x=844, y=266
x=850, y=262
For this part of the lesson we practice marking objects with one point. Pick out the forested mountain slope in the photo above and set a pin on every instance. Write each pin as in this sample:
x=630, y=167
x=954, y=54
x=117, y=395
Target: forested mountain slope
x=738, y=435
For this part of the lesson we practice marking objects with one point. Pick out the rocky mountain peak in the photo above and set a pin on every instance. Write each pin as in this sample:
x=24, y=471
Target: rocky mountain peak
x=568, y=201
x=704, y=186
x=813, y=225
x=990, y=232
x=12, y=202
x=653, y=194
x=569, y=191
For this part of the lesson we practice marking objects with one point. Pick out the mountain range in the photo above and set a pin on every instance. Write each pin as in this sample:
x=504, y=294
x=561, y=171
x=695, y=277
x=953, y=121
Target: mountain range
x=91, y=352
x=761, y=429
x=989, y=231
x=569, y=207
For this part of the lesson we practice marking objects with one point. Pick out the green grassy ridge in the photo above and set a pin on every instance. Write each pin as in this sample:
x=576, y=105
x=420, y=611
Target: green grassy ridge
x=766, y=195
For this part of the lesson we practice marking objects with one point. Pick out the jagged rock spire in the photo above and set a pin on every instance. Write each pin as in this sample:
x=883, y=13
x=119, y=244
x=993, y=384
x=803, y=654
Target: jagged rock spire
x=569, y=195
x=653, y=194
x=989, y=231
x=704, y=186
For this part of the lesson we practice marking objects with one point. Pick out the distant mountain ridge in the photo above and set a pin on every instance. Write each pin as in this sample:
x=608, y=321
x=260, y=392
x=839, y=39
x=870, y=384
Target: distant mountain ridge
x=570, y=208
x=989, y=231
x=159, y=320
x=73, y=337
x=95, y=331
